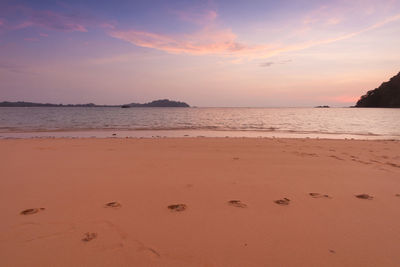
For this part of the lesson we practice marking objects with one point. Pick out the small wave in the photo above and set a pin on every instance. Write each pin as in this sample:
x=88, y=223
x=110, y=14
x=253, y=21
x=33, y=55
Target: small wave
x=202, y=128
x=306, y=122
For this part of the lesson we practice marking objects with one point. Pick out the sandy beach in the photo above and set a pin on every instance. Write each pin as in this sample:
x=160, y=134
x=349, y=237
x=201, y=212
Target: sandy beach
x=199, y=202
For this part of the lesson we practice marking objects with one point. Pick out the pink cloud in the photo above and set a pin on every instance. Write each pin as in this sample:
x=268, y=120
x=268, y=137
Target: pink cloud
x=313, y=43
x=208, y=40
x=335, y=12
x=44, y=34
x=108, y=25
x=324, y=15
x=212, y=39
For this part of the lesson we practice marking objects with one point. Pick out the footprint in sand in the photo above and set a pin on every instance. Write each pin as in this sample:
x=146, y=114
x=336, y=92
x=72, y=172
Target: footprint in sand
x=31, y=211
x=318, y=195
x=237, y=203
x=364, y=196
x=177, y=207
x=113, y=204
x=89, y=237
x=285, y=201
x=393, y=164
x=336, y=157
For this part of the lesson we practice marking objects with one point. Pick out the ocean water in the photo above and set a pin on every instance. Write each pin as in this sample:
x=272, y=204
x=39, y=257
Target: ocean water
x=360, y=123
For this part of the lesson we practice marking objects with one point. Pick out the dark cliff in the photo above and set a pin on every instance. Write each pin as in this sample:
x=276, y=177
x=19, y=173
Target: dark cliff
x=385, y=96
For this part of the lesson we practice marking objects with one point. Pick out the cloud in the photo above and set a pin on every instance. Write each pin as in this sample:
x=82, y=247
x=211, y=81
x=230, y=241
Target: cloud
x=56, y=21
x=324, y=15
x=108, y=25
x=344, y=36
x=270, y=63
x=25, y=17
x=338, y=11
x=267, y=64
x=210, y=39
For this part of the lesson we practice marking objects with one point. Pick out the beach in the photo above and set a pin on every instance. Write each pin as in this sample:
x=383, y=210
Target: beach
x=199, y=202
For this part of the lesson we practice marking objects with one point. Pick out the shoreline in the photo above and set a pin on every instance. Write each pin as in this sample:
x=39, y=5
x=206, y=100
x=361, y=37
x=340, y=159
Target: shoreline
x=199, y=202
x=143, y=133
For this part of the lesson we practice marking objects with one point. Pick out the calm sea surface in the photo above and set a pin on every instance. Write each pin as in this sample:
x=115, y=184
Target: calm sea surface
x=358, y=123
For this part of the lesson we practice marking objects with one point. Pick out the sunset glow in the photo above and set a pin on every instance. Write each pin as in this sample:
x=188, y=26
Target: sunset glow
x=206, y=53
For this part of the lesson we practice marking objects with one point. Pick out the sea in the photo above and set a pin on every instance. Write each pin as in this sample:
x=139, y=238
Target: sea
x=106, y=122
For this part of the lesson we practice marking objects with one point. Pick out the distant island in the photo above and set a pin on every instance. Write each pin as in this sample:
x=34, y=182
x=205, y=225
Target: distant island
x=156, y=103
x=322, y=106
x=32, y=104
x=385, y=96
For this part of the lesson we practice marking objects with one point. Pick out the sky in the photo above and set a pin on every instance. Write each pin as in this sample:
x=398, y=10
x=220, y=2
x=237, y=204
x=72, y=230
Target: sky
x=227, y=53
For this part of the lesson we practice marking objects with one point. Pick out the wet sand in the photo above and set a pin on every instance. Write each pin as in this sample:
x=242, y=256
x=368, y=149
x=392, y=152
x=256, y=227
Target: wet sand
x=199, y=202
